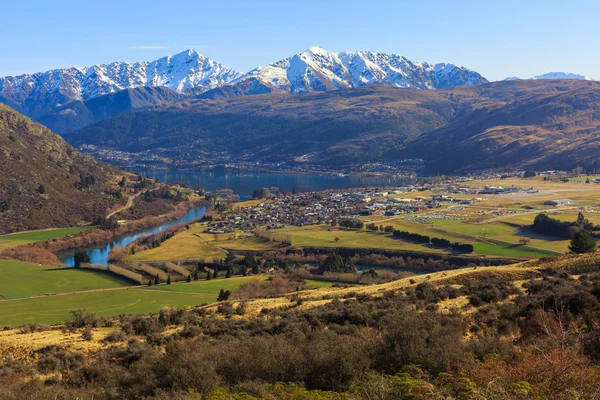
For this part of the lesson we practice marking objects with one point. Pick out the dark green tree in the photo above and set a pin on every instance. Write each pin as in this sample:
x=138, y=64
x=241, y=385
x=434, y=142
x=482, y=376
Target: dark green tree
x=80, y=257
x=215, y=273
x=333, y=263
x=582, y=242
x=149, y=282
x=224, y=295
x=168, y=279
x=189, y=278
x=196, y=275
x=42, y=189
x=156, y=280
x=229, y=273
x=208, y=276
x=371, y=273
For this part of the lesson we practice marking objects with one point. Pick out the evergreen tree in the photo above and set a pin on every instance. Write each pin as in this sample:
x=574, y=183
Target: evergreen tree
x=156, y=280
x=224, y=295
x=333, y=263
x=582, y=242
x=168, y=279
x=215, y=273
x=196, y=275
x=208, y=276
x=149, y=282
x=189, y=278
x=255, y=269
x=229, y=273
x=80, y=257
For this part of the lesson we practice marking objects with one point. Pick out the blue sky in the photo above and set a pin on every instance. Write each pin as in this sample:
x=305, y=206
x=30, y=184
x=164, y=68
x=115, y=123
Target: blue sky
x=496, y=38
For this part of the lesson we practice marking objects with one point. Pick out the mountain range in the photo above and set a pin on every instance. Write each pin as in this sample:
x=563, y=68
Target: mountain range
x=38, y=94
x=514, y=124
x=193, y=74
x=556, y=75
x=318, y=107
x=319, y=70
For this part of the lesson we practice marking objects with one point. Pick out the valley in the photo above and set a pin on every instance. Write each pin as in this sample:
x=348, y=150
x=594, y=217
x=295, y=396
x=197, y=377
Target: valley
x=331, y=225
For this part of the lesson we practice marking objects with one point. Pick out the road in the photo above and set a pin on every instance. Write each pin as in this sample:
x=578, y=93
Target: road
x=126, y=206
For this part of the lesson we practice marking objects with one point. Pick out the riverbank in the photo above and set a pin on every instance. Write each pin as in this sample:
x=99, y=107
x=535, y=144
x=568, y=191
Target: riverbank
x=57, y=250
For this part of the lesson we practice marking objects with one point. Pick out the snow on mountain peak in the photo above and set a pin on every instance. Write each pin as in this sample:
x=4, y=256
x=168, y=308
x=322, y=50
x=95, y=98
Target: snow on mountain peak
x=317, y=69
x=562, y=75
x=180, y=72
x=555, y=75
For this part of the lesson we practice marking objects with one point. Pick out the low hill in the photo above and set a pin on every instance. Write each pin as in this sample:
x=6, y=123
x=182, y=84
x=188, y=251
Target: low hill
x=44, y=182
x=78, y=114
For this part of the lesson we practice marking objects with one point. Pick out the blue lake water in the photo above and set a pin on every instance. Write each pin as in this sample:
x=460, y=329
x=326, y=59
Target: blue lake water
x=244, y=184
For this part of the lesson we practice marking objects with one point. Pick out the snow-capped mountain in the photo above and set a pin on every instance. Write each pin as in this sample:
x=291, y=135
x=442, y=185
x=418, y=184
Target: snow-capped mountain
x=37, y=93
x=320, y=70
x=562, y=75
x=555, y=75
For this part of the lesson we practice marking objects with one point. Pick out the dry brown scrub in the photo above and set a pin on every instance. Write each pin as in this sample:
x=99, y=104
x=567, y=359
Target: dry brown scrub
x=31, y=255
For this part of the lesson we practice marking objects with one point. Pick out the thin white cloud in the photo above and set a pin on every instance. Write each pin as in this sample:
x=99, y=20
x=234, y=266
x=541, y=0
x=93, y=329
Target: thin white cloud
x=147, y=47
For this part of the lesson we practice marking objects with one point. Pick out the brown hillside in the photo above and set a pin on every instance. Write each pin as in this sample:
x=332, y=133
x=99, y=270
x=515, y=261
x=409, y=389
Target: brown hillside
x=35, y=160
x=502, y=124
x=545, y=130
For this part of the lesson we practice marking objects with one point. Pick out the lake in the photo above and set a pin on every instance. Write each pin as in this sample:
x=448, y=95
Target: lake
x=244, y=184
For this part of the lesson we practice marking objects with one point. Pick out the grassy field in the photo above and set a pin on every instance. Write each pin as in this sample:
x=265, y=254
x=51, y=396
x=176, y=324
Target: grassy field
x=17, y=239
x=319, y=284
x=206, y=287
x=20, y=279
x=194, y=244
x=186, y=245
x=113, y=302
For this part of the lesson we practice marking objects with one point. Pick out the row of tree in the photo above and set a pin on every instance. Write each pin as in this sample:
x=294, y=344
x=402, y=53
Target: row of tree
x=437, y=242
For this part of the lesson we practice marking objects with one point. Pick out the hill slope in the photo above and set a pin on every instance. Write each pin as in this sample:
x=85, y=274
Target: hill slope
x=78, y=114
x=549, y=130
x=545, y=123
x=38, y=176
x=339, y=127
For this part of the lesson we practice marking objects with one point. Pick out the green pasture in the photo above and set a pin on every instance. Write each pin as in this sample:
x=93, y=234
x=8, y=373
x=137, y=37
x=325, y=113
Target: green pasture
x=114, y=302
x=21, y=279
x=17, y=239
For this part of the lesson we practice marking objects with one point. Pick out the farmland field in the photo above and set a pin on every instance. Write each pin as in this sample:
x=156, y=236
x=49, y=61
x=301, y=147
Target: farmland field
x=186, y=245
x=20, y=279
x=113, y=302
x=17, y=239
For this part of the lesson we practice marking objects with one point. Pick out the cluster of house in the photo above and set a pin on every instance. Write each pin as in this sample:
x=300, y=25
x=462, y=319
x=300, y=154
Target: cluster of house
x=300, y=209
x=325, y=207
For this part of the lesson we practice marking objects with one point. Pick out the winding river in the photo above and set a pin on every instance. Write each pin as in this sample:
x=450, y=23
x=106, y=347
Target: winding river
x=99, y=254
